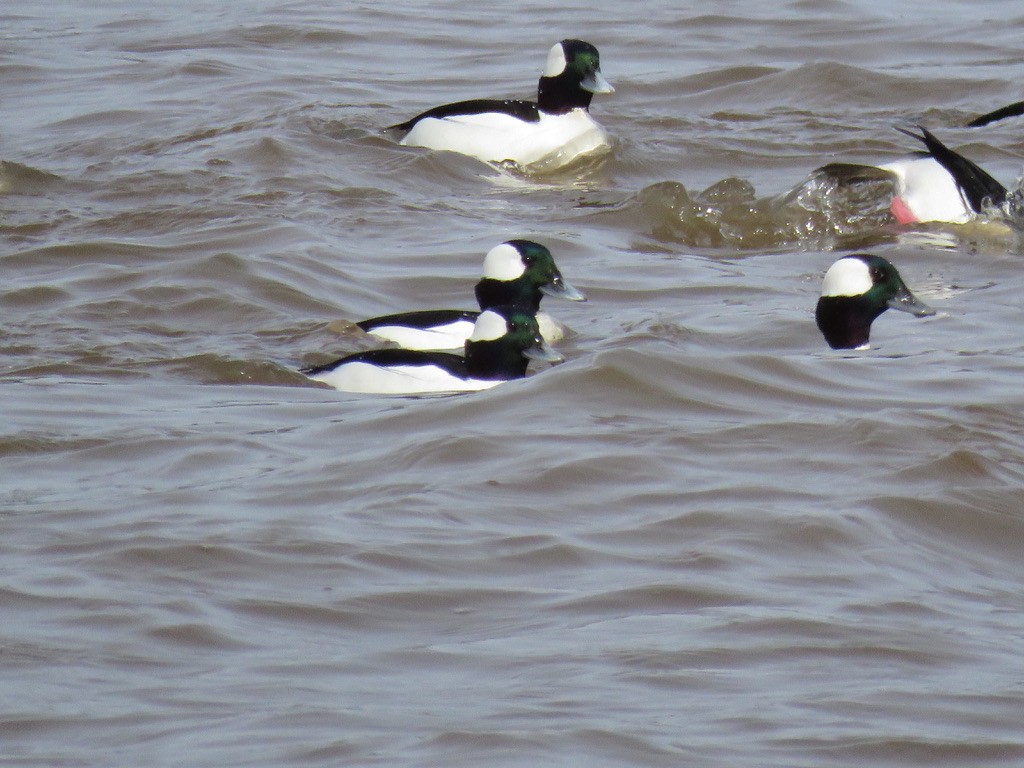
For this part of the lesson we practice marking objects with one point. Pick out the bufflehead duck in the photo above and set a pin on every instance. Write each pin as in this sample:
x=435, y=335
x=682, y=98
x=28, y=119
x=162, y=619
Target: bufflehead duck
x=557, y=127
x=936, y=185
x=941, y=185
x=856, y=290
x=503, y=341
x=516, y=272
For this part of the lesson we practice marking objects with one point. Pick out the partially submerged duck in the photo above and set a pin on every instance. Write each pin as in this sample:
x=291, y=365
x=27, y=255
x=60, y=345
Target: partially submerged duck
x=936, y=185
x=558, y=125
x=856, y=290
x=941, y=185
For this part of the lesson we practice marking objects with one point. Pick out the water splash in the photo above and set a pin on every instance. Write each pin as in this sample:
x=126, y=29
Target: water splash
x=835, y=208
x=822, y=212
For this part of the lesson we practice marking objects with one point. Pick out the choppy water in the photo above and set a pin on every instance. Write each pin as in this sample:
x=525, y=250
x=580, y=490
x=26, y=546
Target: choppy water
x=703, y=540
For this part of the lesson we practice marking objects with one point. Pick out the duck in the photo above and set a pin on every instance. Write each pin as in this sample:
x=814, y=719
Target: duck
x=557, y=128
x=855, y=290
x=934, y=185
x=516, y=272
x=503, y=341
x=941, y=185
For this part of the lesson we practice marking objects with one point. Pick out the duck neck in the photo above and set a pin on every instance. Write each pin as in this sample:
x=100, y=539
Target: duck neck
x=494, y=360
x=520, y=292
x=561, y=94
x=845, y=321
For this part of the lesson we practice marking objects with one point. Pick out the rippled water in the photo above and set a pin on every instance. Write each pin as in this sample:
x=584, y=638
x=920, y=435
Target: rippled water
x=705, y=539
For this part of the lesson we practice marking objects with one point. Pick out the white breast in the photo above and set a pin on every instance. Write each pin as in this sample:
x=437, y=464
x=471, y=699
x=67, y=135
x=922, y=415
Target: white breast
x=495, y=137
x=550, y=328
x=928, y=190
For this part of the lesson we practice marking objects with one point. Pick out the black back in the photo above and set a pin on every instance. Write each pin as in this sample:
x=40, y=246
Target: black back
x=425, y=318
x=451, y=362
x=522, y=110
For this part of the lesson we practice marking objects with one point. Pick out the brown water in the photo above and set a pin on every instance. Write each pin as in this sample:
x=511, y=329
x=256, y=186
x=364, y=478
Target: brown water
x=703, y=540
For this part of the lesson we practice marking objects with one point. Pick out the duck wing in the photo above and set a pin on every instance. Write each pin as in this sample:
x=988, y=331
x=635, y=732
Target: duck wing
x=975, y=183
x=520, y=109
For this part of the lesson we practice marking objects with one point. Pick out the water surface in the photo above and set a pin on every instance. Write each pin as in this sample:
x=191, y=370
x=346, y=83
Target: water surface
x=704, y=539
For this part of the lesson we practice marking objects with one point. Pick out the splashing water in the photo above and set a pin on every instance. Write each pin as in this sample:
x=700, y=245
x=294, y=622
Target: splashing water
x=822, y=212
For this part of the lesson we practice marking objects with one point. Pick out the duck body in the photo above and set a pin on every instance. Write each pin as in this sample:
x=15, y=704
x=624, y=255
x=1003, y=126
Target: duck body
x=925, y=191
x=516, y=272
x=855, y=291
x=942, y=185
x=557, y=127
x=503, y=341
x=401, y=372
x=423, y=329
x=936, y=185
x=499, y=136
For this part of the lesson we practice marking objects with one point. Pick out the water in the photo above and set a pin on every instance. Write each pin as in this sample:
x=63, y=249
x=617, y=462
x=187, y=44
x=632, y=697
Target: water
x=705, y=539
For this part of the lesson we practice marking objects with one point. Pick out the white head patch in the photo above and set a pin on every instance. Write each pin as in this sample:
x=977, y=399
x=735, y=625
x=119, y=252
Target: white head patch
x=489, y=326
x=847, y=277
x=556, y=61
x=503, y=262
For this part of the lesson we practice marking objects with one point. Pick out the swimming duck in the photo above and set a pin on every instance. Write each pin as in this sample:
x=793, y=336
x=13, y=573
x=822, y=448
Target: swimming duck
x=516, y=272
x=503, y=341
x=857, y=289
x=558, y=125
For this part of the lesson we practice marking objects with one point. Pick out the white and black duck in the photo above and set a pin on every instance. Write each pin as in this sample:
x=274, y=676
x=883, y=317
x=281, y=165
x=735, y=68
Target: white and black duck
x=503, y=341
x=856, y=290
x=516, y=272
x=934, y=185
x=557, y=127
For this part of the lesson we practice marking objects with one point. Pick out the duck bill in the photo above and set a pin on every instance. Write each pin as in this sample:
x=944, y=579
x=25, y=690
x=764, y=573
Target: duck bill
x=905, y=301
x=562, y=289
x=595, y=83
x=542, y=352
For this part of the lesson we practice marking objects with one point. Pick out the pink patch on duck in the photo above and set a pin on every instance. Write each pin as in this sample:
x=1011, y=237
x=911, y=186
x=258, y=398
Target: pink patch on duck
x=902, y=212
